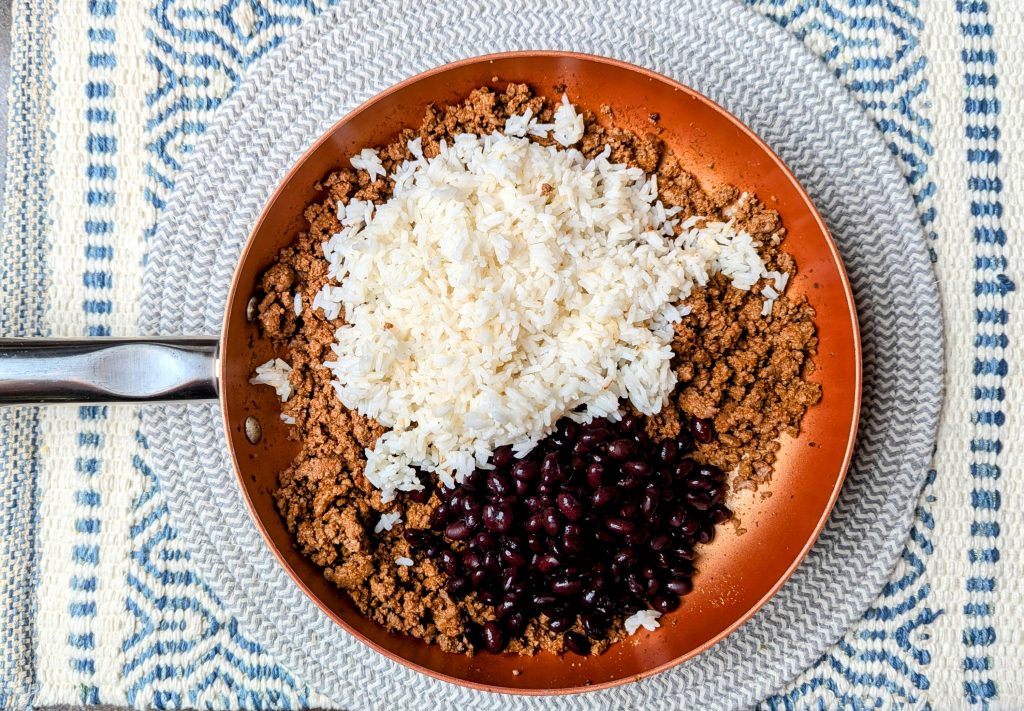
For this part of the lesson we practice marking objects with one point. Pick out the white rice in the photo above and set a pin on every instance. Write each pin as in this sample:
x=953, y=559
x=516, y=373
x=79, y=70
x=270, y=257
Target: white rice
x=274, y=373
x=648, y=619
x=297, y=303
x=387, y=520
x=369, y=161
x=507, y=308
x=287, y=419
x=568, y=127
x=403, y=561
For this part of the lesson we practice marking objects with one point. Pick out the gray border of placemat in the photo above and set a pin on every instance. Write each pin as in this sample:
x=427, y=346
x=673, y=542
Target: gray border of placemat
x=738, y=58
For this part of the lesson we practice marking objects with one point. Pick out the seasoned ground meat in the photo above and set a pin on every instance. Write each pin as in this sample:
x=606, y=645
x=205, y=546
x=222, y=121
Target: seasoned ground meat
x=747, y=372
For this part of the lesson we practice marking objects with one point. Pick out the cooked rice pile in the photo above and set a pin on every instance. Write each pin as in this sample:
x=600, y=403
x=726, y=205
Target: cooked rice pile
x=504, y=285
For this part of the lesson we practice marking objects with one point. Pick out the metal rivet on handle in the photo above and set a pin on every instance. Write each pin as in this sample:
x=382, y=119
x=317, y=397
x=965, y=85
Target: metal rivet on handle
x=250, y=310
x=253, y=430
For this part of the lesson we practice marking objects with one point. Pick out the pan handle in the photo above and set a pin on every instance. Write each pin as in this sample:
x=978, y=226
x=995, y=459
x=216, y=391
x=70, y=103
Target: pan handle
x=91, y=370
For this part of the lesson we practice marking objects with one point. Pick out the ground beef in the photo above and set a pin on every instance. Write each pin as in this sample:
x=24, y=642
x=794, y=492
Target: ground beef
x=749, y=373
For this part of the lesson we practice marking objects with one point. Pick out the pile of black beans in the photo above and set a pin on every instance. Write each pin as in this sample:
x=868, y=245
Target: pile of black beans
x=597, y=522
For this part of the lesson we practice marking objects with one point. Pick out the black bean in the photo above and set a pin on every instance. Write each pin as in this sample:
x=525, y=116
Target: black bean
x=679, y=586
x=573, y=545
x=649, y=503
x=517, y=592
x=699, y=483
x=457, y=586
x=685, y=442
x=703, y=429
x=698, y=501
x=526, y=470
x=544, y=600
x=475, y=480
x=497, y=518
x=573, y=529
x=537, y=503
x=677, y=518
x=420, y=496
x=560, y=624
x=630, y=424
x=665, y=603
x=473, y=520
x=472, y=559
x=668, y=451
x=636, y=584
x=684, y=468
x=500, y=484
x=515, y=623
x=626, y=557
x=449, y=562
x=594, y=437
x=549, y=562
x=509, y=578
x=570, y=506
x=637, y=468
x=709, y=471
x=505, y=608
x=514, y=555
x=622, y=449
x=630, y=509
x=438, y=516
x=552, y=521
x=477, y=578
x=494, y=638
x=569, y=429
x=590, y=596
x=549, y=467
x=577, y=643
x=719, y=513
x=458, y=531
x=536, y=543
x=604, y=497
x=566, y=586
x=483, y=541
x=660, y=541
x=502, y=457
x=487, y=597
x=637, y=537
x=593, y=623
x=620, y=525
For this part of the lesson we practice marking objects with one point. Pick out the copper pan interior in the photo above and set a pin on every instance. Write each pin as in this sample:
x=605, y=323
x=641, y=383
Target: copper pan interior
x=745, y=564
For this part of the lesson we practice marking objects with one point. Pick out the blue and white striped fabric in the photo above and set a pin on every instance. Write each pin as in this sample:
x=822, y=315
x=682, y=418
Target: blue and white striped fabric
x=99, y=603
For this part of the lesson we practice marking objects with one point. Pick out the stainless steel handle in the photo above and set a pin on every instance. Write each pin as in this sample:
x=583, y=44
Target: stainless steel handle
x=42, y=370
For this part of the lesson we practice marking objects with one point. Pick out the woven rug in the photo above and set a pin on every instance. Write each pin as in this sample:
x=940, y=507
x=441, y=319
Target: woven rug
x=107, y=598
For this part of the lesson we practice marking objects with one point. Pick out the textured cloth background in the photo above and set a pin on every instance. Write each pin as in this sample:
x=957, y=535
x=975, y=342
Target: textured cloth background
x=109, y=98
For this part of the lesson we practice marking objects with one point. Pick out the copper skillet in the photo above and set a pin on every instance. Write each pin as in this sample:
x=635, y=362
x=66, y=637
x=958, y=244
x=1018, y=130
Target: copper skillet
x=739, y=571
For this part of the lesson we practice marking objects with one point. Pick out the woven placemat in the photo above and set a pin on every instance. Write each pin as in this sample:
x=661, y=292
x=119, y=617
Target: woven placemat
x=737, y=58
